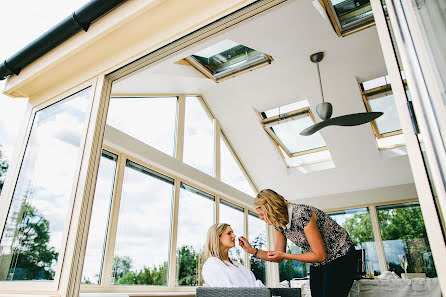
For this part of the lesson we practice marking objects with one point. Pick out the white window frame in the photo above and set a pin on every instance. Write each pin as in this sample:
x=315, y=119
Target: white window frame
x=35, y=105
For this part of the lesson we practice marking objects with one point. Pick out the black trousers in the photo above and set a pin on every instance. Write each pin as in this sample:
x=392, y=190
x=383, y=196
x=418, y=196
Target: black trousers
x=333, y=279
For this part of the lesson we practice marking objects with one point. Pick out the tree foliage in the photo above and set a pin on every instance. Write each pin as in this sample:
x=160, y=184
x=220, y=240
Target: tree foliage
x=258, y=265
x=33, y=257
x=189, y=268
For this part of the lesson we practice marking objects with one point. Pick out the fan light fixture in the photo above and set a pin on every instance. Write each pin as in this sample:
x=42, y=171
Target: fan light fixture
x=325, y=109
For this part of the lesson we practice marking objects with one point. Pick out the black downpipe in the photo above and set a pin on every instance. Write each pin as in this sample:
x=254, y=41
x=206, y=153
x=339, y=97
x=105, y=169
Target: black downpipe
x=81, y=19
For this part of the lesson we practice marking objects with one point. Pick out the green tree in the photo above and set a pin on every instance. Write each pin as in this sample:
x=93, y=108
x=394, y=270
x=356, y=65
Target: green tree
x=404, y=224
x=33, y=258
x=3, y=169
x=359, y=227
x=121, y=266
x=258, y=265
x=188, y=266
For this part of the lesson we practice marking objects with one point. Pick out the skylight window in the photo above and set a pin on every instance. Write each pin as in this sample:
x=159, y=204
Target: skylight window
x=227, y=59
x=378, y=96
x=349, y=16
x=283, y=125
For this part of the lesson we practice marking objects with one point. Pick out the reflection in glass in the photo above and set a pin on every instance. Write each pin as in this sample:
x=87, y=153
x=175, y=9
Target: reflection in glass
x=151, y=120
x=97, y=236
x=34, y=228
x=352, y=14
x=403, y=233
x=234, y=215
x=198, y=136
x=195, y=216
x=143, y=236
x=231, y=173
x=358, y=224
x=227, y=57
x=290, y=269
x=257, y=239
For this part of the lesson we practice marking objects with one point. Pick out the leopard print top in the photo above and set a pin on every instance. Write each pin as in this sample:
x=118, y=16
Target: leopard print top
x=336, y=239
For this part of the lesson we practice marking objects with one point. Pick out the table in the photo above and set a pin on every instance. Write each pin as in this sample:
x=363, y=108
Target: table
x=417, y=287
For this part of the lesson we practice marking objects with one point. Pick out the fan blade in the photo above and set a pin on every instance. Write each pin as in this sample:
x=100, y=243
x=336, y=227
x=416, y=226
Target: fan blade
x=316, y=127
x=354, y=119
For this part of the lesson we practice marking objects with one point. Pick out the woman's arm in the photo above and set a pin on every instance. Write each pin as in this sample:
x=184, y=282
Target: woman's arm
x=314, y=238
x=279, y=245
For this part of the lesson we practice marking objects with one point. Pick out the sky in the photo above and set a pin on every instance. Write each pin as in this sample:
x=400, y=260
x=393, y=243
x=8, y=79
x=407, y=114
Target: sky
x=21, y=22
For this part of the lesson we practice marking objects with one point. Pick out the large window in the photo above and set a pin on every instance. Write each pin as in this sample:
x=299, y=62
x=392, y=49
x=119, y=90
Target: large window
x=258, y=239
x=97, y=235
x=289, y=269
x=143, y=237
x=195, y=216
x=33, y=233
x=404, y=239
x=358, y=224
x=149, y=119
x=234, y=215
x=198, y=135
x=231, y=170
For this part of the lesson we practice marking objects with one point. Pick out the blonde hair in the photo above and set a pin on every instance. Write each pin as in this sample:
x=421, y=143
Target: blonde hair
x=274, y=207
x=212, y=246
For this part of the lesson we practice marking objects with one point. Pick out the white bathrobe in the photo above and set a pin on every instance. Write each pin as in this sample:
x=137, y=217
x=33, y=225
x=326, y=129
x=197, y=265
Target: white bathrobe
x=216, y=274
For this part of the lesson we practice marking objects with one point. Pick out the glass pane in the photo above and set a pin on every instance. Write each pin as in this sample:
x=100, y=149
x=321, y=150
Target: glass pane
x=234, y=215
x=288, y=134
x=228, y=57
x=389, y=121
x=195, y=216
x=151, y=120
x=143, y=237
x=290, y=269
x=33, y=233
x=404, y=236
x=257, y=239
x=231, y=172
x=198, y=136
x=97, y=236
x=352, y=13
x=358, y=224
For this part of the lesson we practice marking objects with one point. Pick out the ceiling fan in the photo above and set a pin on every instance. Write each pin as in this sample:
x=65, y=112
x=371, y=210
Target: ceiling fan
x=325, y=109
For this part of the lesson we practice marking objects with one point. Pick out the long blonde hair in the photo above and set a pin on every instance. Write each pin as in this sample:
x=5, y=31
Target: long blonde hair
x=274, y=207
x=212, y=246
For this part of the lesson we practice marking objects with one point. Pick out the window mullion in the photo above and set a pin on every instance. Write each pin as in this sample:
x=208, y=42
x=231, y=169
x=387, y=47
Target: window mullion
x=179, y=149
x=106, y=275
x=247, y=259
x=378, y=239
x=217, y=168
x=272, y=268
x=173, y=237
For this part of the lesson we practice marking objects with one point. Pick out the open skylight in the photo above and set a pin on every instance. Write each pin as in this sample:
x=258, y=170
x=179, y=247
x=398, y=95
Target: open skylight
x=283, y=125
x=348, y=16
x=378, y=96
x=226, y=59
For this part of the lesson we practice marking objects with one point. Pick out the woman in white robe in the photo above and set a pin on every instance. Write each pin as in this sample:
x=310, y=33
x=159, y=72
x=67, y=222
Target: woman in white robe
x=219, y=270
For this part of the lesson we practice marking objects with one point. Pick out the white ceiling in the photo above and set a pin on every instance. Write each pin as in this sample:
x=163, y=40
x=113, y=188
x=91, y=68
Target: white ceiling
x=290, y=33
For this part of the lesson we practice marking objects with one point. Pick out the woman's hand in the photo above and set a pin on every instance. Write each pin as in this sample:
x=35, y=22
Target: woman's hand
x=243, y=242
x=276, y=256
